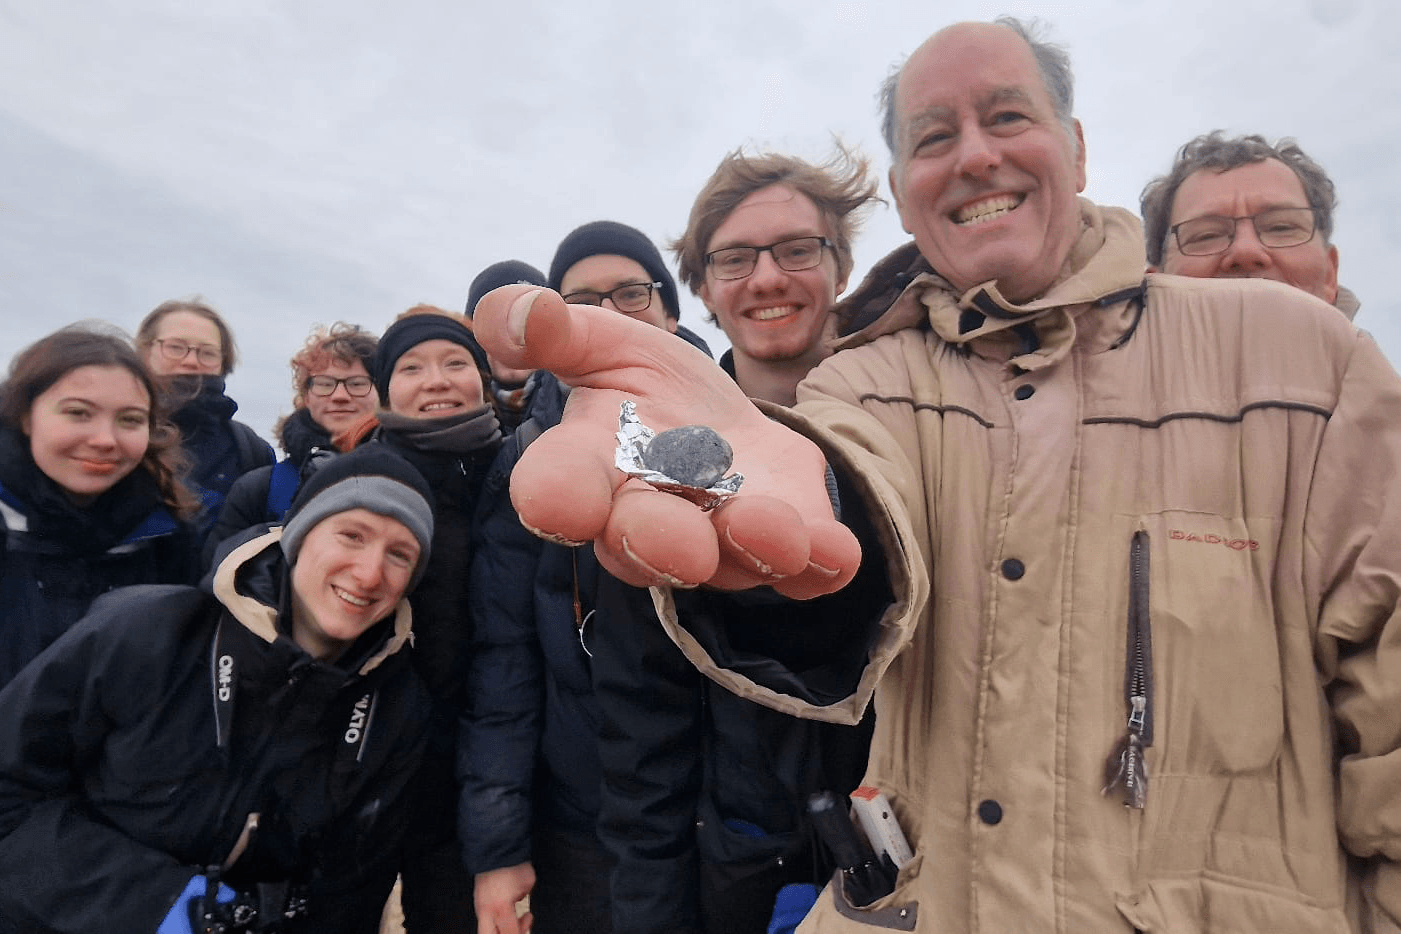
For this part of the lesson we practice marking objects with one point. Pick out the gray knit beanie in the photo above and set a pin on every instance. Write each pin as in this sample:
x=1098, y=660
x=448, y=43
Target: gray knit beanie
x=370, y=477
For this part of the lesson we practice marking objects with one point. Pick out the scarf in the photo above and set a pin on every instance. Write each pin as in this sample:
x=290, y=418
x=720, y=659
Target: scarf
x=455, y=434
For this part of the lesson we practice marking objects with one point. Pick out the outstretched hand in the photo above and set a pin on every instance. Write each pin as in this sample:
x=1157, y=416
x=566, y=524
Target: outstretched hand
x=778, y=530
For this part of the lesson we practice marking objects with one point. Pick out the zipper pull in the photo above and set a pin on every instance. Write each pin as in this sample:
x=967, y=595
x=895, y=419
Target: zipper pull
x=1127, y=771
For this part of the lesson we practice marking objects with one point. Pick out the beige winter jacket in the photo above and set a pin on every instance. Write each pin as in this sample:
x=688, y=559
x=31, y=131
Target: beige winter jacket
x=1254, y=435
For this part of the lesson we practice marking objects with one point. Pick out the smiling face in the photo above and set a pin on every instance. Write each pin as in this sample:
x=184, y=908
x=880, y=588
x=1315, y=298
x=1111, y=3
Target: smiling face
x=1246, y=191
x=435, y=379
x=194, y=331
x=986, y=176
x=340, y=410
x=772, y=314
x=89, y=429
x=352, y=569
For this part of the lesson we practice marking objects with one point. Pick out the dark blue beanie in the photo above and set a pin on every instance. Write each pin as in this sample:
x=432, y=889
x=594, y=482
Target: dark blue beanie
x=610, y=238
x=413, y=330
x=506, y=272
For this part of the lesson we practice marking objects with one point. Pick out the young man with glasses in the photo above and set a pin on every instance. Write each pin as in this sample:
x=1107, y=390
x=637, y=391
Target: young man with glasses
x=768, y=249
x=705, y=792
x=1243, y=208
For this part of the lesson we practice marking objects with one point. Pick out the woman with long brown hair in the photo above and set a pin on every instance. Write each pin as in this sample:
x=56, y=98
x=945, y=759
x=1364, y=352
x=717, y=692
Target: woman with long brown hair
x=89, y=495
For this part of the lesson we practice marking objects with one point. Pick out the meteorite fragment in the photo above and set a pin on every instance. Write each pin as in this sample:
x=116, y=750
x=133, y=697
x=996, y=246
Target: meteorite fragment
x=693, y=455
x=689, y=461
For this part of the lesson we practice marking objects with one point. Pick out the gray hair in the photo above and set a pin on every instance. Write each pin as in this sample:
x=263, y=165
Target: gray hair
x=1052, y=61
x=1216, y=152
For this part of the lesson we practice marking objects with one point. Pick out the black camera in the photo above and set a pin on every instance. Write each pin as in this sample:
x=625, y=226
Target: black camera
x=269, y=908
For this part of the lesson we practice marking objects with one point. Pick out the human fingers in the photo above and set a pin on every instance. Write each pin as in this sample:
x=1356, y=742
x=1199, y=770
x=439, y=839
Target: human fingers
x=562, y=487
x=654, y=538
x=834, y=559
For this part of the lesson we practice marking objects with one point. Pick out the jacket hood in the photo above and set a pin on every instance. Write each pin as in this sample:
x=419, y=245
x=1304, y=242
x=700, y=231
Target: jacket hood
x=251, y=582
x=1347, y=302
x=1106, y=265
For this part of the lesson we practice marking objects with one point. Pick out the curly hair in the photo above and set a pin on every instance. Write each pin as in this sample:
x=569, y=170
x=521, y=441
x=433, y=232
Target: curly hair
x=42, y=364
x=840, y=188
x=1217, y=152
x=342, y=341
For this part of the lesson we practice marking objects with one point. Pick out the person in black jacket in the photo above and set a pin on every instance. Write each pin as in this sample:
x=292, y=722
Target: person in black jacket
x=89, y=500
x=528, y=758
x=333, y=400
x=251, y=740
x=432, y=377
x=190, y=350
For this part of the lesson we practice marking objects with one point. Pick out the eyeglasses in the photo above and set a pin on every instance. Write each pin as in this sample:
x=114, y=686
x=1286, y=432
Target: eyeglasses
x=1276, y=227
x=631, y=297
x=326, y=385
x=207, y=354
x=736, y=262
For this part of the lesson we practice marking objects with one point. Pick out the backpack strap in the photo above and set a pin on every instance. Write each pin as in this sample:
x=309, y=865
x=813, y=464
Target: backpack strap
x=283, y=483
x=253, y=451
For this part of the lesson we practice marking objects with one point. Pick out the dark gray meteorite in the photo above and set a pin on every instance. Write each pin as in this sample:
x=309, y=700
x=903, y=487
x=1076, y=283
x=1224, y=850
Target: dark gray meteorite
x=693, y=455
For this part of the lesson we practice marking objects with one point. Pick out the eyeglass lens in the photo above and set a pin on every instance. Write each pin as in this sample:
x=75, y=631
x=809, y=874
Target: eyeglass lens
x=355, y=385
x=790, y=255
x=635, y=296
x=179, y=350
x=1276, y=227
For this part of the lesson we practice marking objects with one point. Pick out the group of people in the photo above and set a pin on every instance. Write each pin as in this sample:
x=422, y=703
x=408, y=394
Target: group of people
x=1082, y=559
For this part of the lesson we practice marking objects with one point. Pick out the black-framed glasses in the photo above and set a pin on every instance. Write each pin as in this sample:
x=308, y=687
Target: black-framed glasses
x=1274, y=227
x=173, y=350
x=793, y=255
x=326, y=385
x=631, y=297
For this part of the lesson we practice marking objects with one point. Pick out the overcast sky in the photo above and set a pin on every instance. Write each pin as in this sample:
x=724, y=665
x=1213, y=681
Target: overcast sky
x=303, y=162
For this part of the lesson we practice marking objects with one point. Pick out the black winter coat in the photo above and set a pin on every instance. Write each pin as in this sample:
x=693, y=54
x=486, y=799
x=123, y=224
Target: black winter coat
x=528, y=742
x=527, y=747
x=247, y=503
x=220, y=449
x=56, y=558
x=133, y=751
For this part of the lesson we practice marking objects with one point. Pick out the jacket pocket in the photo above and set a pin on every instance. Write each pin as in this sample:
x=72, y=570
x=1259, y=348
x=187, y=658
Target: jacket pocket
x=1212, y=904
x=1219, y=695
x=834, y=912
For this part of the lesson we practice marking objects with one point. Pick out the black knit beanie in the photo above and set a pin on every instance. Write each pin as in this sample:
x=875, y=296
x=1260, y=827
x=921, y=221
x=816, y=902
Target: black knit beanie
x=506, y=272
x=369, y=477
x=610, y=238
x=413, y=330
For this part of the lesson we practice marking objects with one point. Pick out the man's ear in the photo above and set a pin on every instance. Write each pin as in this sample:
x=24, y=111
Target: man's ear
x=899, y=202
x=1333, y=272
x=1079, y=155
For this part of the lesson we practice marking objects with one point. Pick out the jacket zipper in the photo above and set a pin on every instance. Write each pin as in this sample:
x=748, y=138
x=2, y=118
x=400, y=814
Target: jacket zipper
x=1127, y=769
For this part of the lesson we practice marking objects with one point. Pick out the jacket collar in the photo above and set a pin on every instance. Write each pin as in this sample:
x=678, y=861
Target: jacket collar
x=1104, y=271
